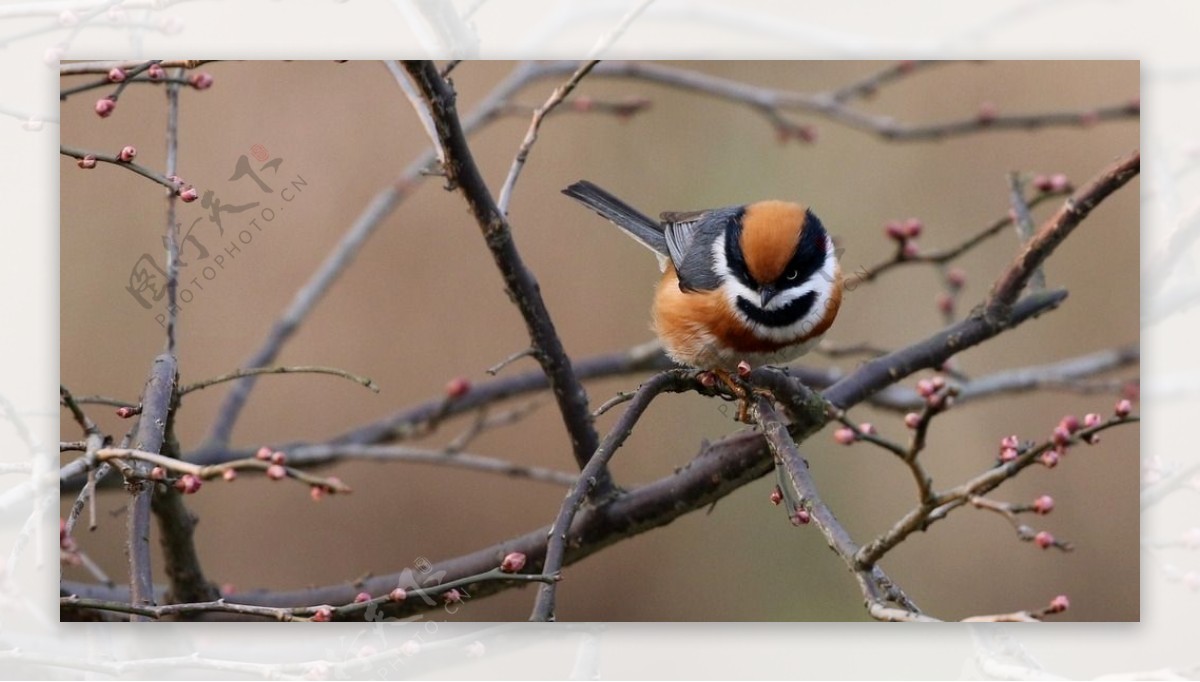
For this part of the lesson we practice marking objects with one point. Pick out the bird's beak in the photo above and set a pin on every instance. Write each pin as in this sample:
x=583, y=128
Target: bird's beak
x=767, y=292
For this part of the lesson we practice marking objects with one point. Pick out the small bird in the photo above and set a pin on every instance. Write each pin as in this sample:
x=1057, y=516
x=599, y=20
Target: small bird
x=758, y=283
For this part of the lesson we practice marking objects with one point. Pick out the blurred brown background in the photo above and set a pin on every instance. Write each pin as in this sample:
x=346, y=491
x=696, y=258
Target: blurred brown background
x=424, y=303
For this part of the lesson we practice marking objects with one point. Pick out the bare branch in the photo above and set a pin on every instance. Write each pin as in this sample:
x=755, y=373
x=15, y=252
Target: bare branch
x=299, y=369
x=1006, y=290
x=158, y=401
x=560, y=93
x=947, y=255
x=115, y=160
x=316, y=454
x=523, y=289
x=676, y=380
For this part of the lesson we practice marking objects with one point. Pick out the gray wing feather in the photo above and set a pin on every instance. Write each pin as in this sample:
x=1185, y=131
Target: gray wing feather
x=696, y=264
x=679, y=240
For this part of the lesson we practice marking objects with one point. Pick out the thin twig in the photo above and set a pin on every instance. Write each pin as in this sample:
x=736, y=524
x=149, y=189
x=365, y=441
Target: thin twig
x=315, y=454
x=210, y=472
x=115, y=160
x=79, y=68
x=1024, y=224
x=940, y=504
x=944, y=256
x=560, y=93
x=297, y=369
x=495, y=369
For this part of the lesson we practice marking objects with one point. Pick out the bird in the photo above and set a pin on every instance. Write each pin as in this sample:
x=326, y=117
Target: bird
x=756, y=283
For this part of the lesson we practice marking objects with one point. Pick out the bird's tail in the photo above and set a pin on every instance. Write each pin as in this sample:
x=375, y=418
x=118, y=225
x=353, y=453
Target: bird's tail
x=636, y=224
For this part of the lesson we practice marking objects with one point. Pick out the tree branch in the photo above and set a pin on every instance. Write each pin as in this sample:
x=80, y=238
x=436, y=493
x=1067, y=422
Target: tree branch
x=158, y=402
x=675, y=380
x=462, y=172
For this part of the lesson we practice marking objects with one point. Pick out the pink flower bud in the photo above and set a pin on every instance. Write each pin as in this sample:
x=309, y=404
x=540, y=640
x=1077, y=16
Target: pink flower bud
x=1043, y=504
x=1010, y=441
x=457, y=387
x=189, y=194
x=156, y=72
x=513, y=562
x=398, y=595
x=229, y=475
x=743, y=369
x=200, y=80
x=1008, y=454
x=1042, y=183
x=1070, y=423
x=913, y=227
x=278, y=457
x=316, y=492
x=867, y=428
x=801, y=517
x=707, y=379
x=844, y=436
x=894, y=230
x=276, y=472
x=105, y=106
x=1124, y=407
x=122, y=412
x=264, y=453
x=1060, y=183
x=1043, y=539
x=187, y=484
x=1050, y=458
x=911, y=250
x=1092, y=419
x=925, y=388
x=776, y=496
x=452, y=597
x=116, y=75
x=956, y=277
x=158, y=474
x=89, y=161
x=1059, y=604
x=323, y=614
x=912, y=420
x=128, y=152
x=1061, y=436
x=361, y=597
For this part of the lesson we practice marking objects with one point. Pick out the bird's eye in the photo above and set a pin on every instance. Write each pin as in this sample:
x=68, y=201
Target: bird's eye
x=793, y=275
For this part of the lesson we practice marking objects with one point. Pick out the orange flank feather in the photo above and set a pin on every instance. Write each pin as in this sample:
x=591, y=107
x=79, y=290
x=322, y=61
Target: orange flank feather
x=700, y=329
x=770, y=232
